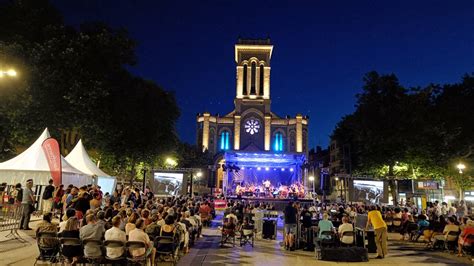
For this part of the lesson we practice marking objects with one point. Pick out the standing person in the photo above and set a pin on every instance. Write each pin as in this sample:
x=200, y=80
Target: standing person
x=48, y=197
x=27, y=203
x=57, y=199
x=462, y=209
x=290, y=213
x=375, y=218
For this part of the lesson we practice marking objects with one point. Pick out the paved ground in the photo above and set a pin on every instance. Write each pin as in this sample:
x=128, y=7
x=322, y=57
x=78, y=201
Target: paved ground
x=265, y=252
x=270, y=252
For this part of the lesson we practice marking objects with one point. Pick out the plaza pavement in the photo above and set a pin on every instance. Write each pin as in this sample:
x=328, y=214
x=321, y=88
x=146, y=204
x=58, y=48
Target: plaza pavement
x=265, y=252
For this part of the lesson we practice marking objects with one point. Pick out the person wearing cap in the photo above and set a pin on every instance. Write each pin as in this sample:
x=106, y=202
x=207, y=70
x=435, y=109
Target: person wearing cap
x=27, y=203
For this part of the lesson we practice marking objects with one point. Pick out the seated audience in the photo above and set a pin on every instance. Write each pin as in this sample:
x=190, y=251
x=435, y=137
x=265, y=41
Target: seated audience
x=115, y=234
x=139, y=235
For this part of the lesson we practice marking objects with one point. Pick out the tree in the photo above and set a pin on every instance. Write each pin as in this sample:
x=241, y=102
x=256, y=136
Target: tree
x=75, y=81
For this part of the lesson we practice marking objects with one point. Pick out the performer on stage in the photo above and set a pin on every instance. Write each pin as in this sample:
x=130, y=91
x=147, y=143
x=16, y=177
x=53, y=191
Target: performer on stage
x=267, y=184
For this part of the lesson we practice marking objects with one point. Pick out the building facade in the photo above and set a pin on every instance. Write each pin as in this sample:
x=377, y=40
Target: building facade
x=252, y=126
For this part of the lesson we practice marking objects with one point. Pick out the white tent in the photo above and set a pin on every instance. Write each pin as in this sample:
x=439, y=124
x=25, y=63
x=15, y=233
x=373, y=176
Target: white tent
x=79, y=159
x=32, y=163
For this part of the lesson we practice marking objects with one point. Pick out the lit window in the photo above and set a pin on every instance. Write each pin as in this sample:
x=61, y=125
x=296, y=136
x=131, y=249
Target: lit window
x=278, y=142
x=225, y=142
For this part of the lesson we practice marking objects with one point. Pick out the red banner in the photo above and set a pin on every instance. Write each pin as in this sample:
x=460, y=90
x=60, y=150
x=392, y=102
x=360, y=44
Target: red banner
x=53, y=156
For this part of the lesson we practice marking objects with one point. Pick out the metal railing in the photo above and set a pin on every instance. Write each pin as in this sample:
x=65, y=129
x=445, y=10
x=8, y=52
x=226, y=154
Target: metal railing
x=10, y=216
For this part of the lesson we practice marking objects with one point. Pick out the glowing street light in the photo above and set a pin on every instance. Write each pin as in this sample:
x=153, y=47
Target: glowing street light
x=9, y=73
x=461, y=167
x=199, y=174
x=311, y=178
x=170, y=162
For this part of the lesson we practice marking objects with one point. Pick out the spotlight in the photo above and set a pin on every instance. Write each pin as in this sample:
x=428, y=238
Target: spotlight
x=283, y=169
x=274, y=169
x=291, y=169
x=266, y=168
x=243, y=168
x=258, y=168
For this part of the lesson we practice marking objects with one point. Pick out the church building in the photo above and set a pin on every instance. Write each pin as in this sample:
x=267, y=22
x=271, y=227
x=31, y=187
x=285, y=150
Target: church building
x=252, y=144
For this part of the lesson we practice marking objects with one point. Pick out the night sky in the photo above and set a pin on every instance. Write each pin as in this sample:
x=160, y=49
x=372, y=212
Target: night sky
x=321, y=50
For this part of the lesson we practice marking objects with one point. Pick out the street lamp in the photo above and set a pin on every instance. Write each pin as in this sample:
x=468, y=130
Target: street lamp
x=199, y=174
x=311, y=178
x=9, y=73
x=461, y=167
x=170, y=162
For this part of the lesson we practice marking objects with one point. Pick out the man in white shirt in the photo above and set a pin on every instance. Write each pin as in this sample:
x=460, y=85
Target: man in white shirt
x=115, y=234
x=138, y=234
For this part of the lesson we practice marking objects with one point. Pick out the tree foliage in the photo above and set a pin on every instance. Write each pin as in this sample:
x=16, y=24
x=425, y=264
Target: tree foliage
x=76, y=82
x=409, y=133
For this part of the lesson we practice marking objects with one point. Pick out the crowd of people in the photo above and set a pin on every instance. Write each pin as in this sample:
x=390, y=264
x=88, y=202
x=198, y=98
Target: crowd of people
x=128, y=214
x=437, y=223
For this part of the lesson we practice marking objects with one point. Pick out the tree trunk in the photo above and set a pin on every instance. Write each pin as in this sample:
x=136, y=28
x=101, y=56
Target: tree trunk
x=392, y=184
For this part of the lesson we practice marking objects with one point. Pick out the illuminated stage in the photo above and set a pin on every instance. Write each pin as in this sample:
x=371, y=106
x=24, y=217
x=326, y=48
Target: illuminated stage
x=263, y=175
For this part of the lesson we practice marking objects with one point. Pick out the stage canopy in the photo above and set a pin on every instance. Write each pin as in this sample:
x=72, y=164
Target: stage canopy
x=278, y=168
x=79, y=159
x=32, y=163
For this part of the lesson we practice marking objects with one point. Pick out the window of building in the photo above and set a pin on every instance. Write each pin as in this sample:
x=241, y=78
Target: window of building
x=253, y=78
x=225, y=142
x=278, y=142
x=244, y=83
x=260, y=91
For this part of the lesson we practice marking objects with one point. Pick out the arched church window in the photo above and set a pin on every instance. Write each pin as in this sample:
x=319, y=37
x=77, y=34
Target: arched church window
x=253, y=78
x=278, y=142
x=244, y=83
x=225, y=141
x=260, y=91
x=292, y=141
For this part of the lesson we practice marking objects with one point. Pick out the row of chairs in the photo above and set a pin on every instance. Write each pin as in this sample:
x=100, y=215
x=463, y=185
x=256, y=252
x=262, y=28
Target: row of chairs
x=166, y=249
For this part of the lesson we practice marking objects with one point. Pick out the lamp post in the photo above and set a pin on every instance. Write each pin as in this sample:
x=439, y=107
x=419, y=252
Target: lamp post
x=311, y=178
x=198, y=175
x=460, y=167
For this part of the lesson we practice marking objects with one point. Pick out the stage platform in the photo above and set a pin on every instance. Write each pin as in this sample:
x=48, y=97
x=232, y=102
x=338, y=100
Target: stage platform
x=277, y=202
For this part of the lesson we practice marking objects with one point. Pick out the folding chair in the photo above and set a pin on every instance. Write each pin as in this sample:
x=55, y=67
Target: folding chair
x=166, y=247
x=48, y=246
x=247, y=235
x=327, y=239
x=69, y=243
x=468, y=248
x=350, y=235
x=132, y=245
x=451, y=240
x=93, y=244
x=228, y=234
x=115, y=244
x=397, y=224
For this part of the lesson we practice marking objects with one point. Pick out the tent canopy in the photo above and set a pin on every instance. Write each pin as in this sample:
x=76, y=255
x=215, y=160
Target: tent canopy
x=79, y=158
x=32, y=163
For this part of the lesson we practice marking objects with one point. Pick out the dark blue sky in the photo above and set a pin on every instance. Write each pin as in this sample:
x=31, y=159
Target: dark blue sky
x=321, y=49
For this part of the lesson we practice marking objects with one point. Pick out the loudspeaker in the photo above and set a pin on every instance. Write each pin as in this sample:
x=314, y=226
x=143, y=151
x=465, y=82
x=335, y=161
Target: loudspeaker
x=211, y=179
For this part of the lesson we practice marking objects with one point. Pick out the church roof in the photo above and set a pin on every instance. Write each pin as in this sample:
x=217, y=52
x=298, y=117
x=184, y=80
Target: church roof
x=248, y=41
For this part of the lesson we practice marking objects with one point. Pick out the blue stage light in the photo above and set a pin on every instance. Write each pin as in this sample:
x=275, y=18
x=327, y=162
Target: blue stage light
x=291, y=169
x=283, y=169
x=258, y=168
x=266, y=168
